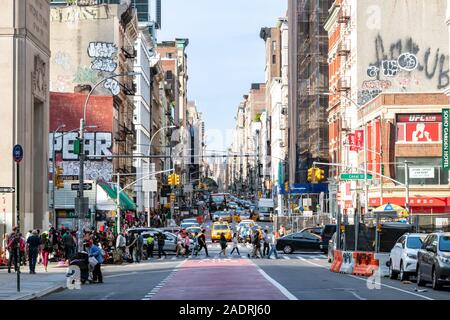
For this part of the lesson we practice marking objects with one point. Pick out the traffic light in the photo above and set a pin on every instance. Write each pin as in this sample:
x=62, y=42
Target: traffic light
x=319, y=174
x=59, y=182
x=312, y=175
x=286, y=186
x=171, y=179
x=177, y=180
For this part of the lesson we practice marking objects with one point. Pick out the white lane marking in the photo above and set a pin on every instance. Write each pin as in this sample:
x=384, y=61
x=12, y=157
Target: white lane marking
x=365, y=279
x=282, y=289
x=357, y=296
x=286, y=257
x=121, y=274
x=107, y=296
x=158, y=287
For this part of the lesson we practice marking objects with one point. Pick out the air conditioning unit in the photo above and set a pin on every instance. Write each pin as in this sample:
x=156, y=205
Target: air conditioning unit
x=344, y=84
x=344, y=48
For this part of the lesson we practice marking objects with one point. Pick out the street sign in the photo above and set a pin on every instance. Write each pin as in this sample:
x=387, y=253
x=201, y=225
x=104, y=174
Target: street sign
x=7, y=190
x=17, y=153
x=355, y=176
x=76, y=186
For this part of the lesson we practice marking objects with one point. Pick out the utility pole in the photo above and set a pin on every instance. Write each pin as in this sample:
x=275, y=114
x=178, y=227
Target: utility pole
x=118, y=203
x=407, y=191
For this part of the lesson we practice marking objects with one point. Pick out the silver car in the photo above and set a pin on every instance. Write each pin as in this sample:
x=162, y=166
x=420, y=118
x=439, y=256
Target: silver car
x=170, y=243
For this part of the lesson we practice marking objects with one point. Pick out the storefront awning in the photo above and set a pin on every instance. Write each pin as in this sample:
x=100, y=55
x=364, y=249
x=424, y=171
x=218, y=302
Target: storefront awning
x=126, y=203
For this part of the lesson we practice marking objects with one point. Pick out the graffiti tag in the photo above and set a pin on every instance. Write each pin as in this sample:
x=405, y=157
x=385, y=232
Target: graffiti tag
x=101, y=50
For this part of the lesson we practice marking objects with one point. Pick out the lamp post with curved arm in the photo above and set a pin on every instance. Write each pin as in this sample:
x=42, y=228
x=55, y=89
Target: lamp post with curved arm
x=80, y=195
x=150, y=195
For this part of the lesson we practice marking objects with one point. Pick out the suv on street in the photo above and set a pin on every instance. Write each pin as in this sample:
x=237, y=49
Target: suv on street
x=403, y=256
x=325, y=235
x=433, y=260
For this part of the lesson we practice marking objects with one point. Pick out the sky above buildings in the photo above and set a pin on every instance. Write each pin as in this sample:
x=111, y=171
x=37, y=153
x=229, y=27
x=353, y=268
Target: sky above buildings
x=225, y=54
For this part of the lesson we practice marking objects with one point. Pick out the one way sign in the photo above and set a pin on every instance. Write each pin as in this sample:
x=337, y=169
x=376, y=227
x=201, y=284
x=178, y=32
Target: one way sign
x=7, y=190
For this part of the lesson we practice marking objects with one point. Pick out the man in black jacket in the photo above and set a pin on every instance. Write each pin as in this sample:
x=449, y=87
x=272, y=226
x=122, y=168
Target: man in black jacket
x=161, y=242
x=202, y=242
x=33, y=243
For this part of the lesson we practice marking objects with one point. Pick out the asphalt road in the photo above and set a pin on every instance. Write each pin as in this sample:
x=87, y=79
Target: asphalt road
x=299, y=276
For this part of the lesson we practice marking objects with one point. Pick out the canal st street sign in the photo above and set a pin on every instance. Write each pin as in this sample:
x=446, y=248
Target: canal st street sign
x=355, y=176
x=7, y=190
x=445, y=139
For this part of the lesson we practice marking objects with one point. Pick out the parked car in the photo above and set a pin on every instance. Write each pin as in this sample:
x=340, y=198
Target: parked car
x=403, y=256
x=303, y=241
x=326, y=234
x=433, y=260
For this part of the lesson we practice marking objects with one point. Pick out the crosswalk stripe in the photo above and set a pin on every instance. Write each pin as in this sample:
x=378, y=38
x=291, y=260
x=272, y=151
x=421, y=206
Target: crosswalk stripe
x=286, y=257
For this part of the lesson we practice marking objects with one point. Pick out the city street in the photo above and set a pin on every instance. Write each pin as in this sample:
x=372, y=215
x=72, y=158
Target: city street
x=298, y=276
x=136, y=133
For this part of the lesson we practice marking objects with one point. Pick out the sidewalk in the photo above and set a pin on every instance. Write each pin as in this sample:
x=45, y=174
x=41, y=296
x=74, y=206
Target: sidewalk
x=31, y=285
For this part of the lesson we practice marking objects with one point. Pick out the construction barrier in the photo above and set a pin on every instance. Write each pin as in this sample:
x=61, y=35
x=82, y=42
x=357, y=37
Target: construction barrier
x=365, y=264
x=383, y=263
x=348, y=262
x=337, y=261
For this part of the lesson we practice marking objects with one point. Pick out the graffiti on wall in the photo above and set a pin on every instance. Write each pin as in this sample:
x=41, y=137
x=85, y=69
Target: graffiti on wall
x=366, y=95
x=408, y=56
x=93, y=170
x=398, y=64
x=103, y=55
x=96, y=143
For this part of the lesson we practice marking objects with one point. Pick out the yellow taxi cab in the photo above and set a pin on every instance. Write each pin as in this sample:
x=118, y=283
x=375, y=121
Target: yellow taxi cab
x=192, y=230
x=218, y=228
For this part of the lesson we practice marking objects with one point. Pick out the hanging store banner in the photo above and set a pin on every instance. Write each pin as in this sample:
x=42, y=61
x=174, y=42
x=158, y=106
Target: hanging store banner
x=445, y=139
x=359, y=139
x=352, y=142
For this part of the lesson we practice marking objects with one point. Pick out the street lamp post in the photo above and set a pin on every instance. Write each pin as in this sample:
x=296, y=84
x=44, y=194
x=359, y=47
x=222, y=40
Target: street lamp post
x=150, y=196
x=80, y=196
x=119, y=190
x=54, y=165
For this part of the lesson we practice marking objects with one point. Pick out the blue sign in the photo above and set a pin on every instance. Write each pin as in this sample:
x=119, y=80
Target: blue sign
x=388, y=207
x=18, y=153
x=304, y=188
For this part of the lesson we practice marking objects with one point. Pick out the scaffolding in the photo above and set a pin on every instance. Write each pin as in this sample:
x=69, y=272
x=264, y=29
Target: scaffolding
x=312, y=82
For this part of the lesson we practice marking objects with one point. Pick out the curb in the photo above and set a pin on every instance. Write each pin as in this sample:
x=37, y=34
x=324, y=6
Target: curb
x=42, y=293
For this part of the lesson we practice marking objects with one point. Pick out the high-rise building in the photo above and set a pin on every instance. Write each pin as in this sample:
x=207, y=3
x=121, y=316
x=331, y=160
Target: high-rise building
x=24, y=76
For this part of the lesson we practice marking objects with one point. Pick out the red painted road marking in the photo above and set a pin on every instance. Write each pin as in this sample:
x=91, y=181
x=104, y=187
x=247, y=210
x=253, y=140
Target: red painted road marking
x=229, y=280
